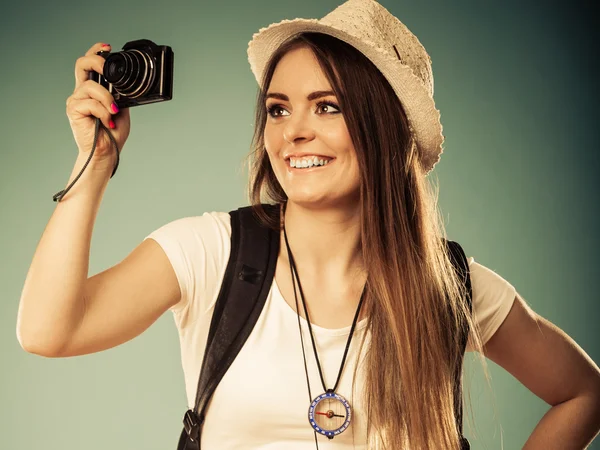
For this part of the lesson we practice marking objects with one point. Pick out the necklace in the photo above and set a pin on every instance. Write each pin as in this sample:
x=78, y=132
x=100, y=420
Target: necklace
x=329, y=413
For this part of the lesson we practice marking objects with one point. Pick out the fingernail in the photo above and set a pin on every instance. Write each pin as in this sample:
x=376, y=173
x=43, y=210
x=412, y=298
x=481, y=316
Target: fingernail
x=114, y=108
x=111, y=124
x=105, y=45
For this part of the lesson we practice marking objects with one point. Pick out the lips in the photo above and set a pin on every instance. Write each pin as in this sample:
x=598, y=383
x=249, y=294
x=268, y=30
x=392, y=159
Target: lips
x=301, y=155
x=307, y=169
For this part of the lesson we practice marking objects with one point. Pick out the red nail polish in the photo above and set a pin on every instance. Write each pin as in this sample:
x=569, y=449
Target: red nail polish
x=114, y=108
x=111, y=124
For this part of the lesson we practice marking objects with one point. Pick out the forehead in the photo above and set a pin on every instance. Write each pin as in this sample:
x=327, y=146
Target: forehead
x=298, y=71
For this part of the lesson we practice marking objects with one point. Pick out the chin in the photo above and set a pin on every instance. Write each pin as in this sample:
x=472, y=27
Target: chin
x=321, y=199
x=308, y=199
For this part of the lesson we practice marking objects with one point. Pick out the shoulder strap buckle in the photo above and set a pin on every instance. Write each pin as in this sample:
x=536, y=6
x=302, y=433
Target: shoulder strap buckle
x=191, y=423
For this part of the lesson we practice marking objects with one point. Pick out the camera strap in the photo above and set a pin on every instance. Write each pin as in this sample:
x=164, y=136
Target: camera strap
x=59, y=195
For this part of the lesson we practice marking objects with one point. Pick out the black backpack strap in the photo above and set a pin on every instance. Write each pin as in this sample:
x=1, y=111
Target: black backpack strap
x=461, y=265
x=246, y=284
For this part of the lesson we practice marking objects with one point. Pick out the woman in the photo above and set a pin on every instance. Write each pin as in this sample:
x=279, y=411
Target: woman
x=346, y=133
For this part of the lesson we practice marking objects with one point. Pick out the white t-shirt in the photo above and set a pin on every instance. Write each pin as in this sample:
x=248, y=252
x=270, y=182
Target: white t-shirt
x=262, y=401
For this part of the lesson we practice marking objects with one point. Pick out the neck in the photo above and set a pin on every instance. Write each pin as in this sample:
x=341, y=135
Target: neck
x=324, y=242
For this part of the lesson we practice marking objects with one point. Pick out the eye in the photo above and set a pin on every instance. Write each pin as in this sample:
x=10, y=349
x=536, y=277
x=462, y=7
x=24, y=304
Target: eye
x=275, y=110
x=326, y=107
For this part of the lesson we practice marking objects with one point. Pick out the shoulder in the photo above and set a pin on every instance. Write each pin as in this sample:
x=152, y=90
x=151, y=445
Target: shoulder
x=493, y=297
x=198, y=249
x=486, y=279
x=194, y=227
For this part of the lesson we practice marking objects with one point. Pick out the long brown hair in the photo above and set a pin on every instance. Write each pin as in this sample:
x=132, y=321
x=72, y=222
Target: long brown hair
x=414, y=299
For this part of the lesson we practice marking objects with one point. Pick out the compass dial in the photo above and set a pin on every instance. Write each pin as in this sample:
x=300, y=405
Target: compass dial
x=329, y=414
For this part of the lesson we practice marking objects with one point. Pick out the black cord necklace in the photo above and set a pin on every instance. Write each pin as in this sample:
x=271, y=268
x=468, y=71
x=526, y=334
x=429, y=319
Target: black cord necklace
x=329, y=413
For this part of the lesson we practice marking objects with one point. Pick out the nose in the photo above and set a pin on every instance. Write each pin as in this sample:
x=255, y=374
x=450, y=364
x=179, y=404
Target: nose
x=298, y=128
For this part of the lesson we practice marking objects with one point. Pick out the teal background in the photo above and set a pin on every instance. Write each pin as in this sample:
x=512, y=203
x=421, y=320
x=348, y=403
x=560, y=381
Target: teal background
x=515, y=83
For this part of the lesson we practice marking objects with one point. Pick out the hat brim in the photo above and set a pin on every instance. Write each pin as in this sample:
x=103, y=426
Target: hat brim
x=419, y=105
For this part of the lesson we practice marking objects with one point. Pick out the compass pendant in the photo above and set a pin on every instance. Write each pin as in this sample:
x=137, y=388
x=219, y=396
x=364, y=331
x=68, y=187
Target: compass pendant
x=330, y=414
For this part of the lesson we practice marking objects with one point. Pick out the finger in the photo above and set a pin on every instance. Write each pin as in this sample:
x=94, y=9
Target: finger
x=84, y=65
x=97, y=47
x=78, y=109
x=91, y=89
x=89, y=62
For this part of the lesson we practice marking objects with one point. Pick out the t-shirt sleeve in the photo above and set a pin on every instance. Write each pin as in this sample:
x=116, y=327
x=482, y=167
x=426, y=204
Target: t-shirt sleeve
x=198, y=248
x=493, y=297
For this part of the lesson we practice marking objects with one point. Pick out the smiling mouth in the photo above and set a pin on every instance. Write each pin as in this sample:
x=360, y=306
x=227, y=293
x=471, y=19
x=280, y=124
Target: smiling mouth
x=308, y=169
x=311, y=167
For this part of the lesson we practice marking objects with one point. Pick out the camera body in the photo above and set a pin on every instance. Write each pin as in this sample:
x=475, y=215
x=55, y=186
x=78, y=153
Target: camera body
x=140, y=74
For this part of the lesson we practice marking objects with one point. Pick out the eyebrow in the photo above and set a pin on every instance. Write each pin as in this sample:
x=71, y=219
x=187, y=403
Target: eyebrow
x=309, y=97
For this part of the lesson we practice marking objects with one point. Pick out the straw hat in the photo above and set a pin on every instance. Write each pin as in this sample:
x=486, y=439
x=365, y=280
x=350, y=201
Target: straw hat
x=395, y=51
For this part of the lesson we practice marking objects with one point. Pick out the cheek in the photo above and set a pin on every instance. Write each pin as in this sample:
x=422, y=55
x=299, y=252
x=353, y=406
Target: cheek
x=272, y=146
x=272, y=139
x=338, y=138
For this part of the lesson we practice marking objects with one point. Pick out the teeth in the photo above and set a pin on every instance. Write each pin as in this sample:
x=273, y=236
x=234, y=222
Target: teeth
x=307, y=162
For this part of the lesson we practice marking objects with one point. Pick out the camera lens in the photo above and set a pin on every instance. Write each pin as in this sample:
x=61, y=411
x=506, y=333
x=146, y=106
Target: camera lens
x=131, y=72
x=115, y=67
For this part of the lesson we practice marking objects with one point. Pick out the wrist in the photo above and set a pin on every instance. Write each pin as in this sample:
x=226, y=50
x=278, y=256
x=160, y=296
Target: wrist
x=103, y=165
x=97, y=171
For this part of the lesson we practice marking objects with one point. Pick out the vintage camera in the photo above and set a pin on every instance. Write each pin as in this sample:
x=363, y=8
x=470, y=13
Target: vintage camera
x=140, y=74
